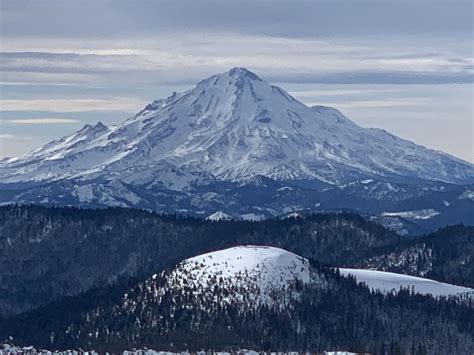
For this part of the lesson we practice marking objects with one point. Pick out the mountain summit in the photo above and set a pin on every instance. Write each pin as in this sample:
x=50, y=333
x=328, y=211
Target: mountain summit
x=235, y=126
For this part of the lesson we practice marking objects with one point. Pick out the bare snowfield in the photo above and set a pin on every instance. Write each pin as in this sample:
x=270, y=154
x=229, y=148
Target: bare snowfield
x=389, y=282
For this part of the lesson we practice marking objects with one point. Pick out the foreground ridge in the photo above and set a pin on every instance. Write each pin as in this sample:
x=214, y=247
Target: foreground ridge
x=7, y=349
x=257, y=297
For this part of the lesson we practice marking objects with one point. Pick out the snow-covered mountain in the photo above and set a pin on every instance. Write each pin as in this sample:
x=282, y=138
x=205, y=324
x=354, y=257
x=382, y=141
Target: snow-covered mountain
x=238, y=144
x=233, y=126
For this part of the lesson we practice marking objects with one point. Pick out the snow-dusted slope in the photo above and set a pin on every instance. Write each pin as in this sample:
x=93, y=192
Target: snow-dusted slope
x=389, y=281
x=233, y=126
x=250, y=274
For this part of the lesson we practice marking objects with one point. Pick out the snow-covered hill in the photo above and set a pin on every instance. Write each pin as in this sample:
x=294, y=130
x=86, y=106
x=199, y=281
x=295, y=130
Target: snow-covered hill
x=249, y=275
x=233, y=126
x=392, y=282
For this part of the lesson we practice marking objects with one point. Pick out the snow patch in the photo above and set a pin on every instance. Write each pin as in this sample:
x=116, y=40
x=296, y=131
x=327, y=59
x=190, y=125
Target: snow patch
x=252, y=217
x=219, y=216
x=391, y=282
x=417, y=214
x=467, y=195
x=285, y=188
x=7, y=349
x=84, y=193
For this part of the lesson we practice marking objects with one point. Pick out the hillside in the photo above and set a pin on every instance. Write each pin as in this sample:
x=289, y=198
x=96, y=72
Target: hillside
x=248, y=297
x=447, y=255
x=48, y=253
x=391, y=282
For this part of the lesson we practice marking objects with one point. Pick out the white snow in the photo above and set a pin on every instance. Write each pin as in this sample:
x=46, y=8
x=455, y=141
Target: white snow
x=392, y=282
x=417, y=214
x=467, y=195
x=7, y=349
x=84, y=193
x=252, y=217
x=293, y=215
x=285, y=188
x=262, y=272
x=219, y=216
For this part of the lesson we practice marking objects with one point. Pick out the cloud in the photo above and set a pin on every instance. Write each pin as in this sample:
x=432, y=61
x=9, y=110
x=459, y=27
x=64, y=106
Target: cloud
x=7, y=136
x=34, y=121
x=127, y=104
x=386, y=103
x=305, y=94
x=90, y=19
x=188, y=58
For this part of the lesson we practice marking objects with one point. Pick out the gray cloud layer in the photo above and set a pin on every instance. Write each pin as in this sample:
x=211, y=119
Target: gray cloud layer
x=127, y=18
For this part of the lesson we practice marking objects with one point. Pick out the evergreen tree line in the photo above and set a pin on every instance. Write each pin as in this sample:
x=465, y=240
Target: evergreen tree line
x=446, y=255
x=49, y=253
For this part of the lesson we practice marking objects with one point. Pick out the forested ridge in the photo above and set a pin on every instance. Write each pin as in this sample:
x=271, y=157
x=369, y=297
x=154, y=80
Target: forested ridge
x=48, y=253
x=446, y=255
x=340, y=315
x=64, y=273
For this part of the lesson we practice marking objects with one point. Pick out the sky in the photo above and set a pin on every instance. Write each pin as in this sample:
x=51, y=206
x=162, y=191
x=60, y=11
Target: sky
x=403, y=65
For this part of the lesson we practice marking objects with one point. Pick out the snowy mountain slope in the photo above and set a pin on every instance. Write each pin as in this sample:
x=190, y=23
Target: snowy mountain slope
x=251, y=275
x=234, y=126
x=389, y=282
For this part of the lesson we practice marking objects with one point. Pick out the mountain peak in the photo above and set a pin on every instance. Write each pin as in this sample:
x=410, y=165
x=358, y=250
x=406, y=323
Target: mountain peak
x=237, y=77
x=240, y=72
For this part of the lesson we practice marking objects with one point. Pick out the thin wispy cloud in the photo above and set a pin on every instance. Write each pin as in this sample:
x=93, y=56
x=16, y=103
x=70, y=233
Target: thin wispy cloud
x=395, y=102
x=6, y=136
x=281, y=59
x=73, y=105
x=42, y=121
